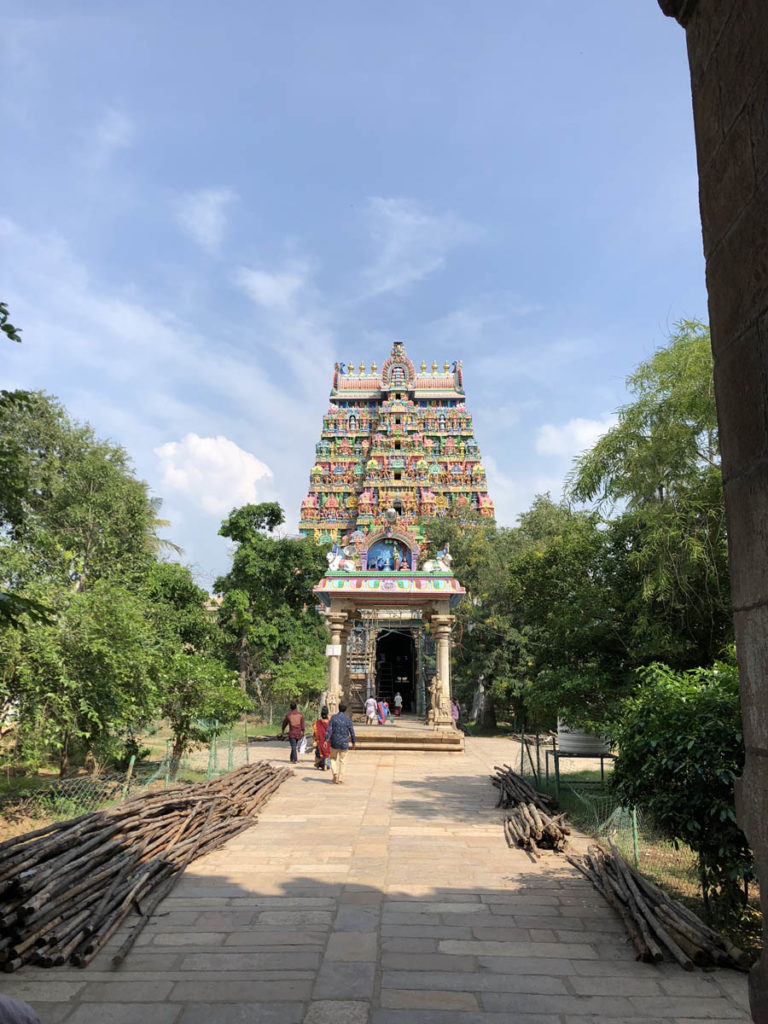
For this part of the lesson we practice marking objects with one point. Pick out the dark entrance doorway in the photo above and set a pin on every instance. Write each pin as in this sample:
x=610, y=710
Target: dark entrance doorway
x=396, y=668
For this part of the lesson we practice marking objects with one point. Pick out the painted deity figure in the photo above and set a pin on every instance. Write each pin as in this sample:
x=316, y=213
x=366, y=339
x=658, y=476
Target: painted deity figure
x=445, y=558
x=339, y=559
x=441, y=563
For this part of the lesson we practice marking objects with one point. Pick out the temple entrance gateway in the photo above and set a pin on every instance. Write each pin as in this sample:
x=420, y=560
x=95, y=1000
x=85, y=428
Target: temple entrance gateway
x=396, y=667
x=390, y=629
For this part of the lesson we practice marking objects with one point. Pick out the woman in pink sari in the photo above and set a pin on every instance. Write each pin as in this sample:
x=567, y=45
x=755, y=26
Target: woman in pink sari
x=322, y=747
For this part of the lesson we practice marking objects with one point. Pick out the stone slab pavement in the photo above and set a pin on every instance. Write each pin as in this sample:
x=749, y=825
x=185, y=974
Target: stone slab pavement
x=392, y=899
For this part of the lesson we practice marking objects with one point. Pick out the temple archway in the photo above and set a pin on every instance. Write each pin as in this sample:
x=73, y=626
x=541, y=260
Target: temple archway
x=396, y=667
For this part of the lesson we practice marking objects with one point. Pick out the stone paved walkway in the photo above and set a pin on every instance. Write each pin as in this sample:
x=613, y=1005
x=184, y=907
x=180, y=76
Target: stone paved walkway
x=392, y=900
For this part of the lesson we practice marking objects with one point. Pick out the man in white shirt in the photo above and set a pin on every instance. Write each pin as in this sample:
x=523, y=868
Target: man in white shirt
x=398, y=704
x=370, y=711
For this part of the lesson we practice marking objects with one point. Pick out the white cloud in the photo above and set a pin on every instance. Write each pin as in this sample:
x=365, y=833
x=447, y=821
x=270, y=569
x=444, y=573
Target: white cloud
x=574, y=437
x=411, y=243
x=213, y=472
x=142, y=375
x=514, y=495
x=202, y=215
x=271, y=291
x=115, y=131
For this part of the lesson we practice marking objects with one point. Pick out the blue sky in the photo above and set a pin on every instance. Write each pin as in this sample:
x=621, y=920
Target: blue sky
x=205, y=205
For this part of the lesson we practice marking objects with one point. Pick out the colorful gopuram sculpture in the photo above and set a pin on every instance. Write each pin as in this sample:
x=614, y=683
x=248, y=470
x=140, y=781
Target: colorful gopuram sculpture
x=397, y=439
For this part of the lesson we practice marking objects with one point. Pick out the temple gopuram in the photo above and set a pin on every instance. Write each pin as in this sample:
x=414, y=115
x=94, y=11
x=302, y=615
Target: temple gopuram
x=397, y=447
x=397, y=439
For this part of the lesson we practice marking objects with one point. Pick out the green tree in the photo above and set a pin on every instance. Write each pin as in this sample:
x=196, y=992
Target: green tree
x=483, y=657
x=680, y=751
x=82, y=514
x=14, y=609
x=666, y=438
x=567, y=593
x=181, y=612
x=85, y=680
x=276, y=637
x=197, y=692
x=660, y=468
x=198, y=695
x=74, y=540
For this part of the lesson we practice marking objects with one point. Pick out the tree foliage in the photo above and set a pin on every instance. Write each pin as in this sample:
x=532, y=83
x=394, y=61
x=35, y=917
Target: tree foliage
x=666, y=438
x=74, y=552
x=275, y=636
x=11, y=332
x=86, y=679
x=83, y=514
x=198, y=694
x=565, y=607
x=680, y=751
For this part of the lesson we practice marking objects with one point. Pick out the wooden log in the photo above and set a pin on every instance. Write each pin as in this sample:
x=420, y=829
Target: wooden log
x=644, y=951
x=23, y=840
x=662, y=934
x=609, y=872
x=163, y=891
x=82, y=879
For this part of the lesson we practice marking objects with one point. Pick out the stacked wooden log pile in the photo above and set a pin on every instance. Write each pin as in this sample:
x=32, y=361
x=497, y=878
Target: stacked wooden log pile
x=528, y=824
x=65, y=889
x=660, y=927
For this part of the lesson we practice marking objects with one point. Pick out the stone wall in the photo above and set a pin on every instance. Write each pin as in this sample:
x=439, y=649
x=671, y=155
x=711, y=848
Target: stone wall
x=728, y=56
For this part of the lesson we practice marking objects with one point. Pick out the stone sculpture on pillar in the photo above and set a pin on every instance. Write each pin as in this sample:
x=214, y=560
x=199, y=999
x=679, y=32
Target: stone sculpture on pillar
x=441, y=700
x=336, y=621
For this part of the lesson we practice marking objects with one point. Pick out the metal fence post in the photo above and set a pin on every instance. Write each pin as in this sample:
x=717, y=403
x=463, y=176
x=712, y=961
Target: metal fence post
x=128, y=775
x=167, y=763
x=245, y=736
x=230, y=751
x=212, y=755
x=635, y=846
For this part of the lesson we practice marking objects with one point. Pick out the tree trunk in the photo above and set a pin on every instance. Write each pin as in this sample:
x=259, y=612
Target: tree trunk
x=243, y=658
x=177, y=750
x=486, y=716
x=64, y=758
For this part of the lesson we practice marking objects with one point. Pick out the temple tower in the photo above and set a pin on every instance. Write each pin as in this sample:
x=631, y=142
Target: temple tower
x=396, y=446
x=399, y=438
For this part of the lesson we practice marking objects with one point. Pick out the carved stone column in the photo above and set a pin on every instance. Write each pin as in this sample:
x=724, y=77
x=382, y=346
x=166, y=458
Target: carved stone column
x=343, y=667
x=441, y=709
x=336, y=621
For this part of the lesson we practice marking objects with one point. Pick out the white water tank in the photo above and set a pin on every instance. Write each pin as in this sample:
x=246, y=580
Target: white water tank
x=579, y=741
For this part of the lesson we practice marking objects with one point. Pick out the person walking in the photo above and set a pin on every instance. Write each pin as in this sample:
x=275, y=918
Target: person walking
x=340, y=733
x=322, y=750
x=294, y=723
x=398, y=704
x=456, y=712
x=370, y=711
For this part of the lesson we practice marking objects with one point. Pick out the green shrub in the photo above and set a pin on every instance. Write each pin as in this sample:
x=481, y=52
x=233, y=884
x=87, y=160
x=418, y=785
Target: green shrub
x=680, y=750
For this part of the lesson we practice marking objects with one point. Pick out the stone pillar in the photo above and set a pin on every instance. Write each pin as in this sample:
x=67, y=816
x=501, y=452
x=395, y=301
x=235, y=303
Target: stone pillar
x=728, y=56
x=441, y=627
x=336, y=622
x=343, y=666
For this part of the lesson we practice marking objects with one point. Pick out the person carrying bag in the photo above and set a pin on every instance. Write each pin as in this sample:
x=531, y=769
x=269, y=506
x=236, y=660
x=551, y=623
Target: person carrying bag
x=340, y=733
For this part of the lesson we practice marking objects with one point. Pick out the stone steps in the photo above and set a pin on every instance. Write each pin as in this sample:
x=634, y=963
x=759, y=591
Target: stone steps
x=387, y=737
